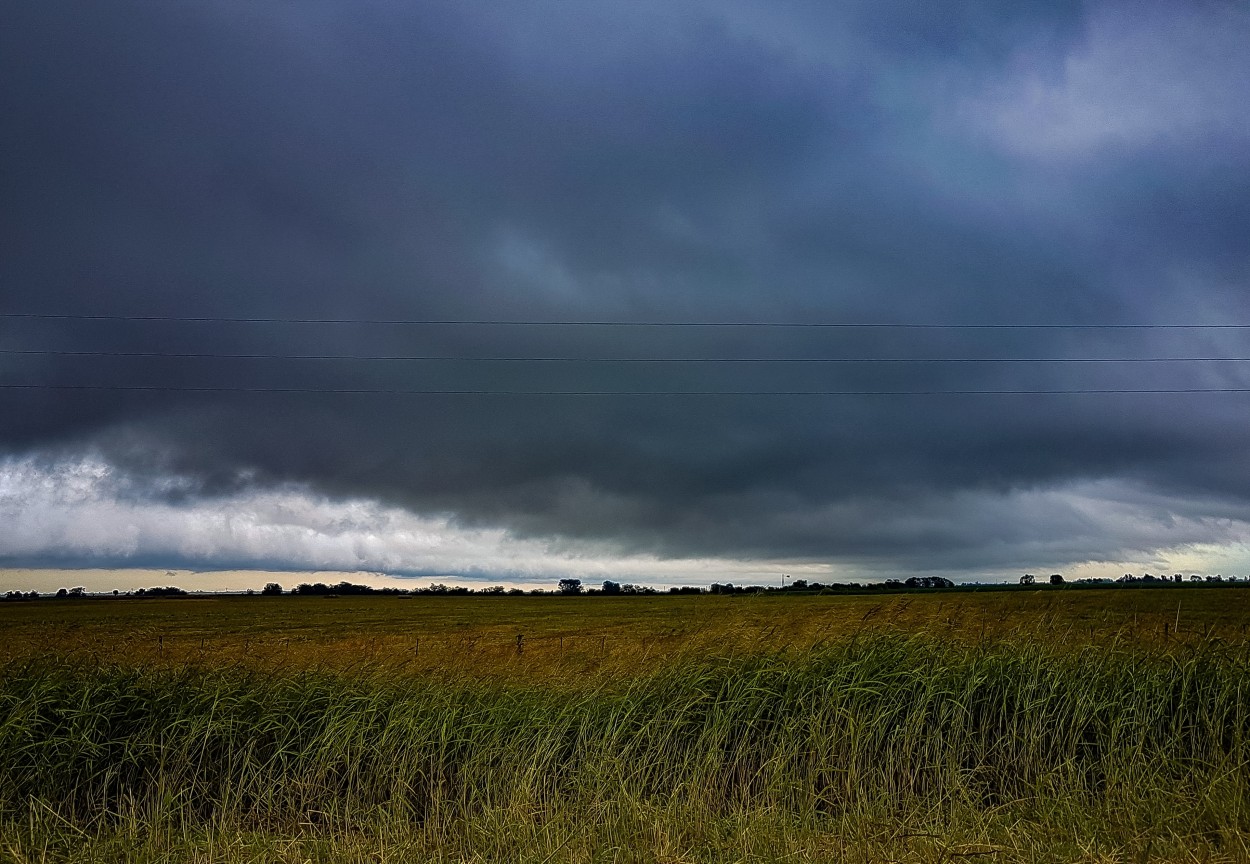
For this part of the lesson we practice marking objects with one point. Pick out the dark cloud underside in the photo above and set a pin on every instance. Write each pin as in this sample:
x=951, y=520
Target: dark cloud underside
x=638, y=162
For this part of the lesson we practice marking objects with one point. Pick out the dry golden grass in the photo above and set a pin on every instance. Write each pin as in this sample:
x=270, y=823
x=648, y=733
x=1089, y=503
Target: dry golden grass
x=576, y=640
x=1022, y=726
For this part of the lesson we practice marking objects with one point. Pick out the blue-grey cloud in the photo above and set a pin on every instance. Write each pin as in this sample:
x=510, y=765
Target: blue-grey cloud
x=691, y=161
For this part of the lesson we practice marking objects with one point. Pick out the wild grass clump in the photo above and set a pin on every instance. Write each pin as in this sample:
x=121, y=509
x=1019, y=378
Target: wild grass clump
x=1004, y=742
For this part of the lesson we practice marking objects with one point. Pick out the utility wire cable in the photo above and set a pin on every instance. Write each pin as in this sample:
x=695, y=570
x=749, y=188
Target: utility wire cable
x=418, y=322
x=439, y=358
x=388, y=391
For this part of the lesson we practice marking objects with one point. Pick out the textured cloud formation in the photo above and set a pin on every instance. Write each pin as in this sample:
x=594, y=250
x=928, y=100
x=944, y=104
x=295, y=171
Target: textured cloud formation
x=1171, y=76
x=85, y=513
x=700, y=162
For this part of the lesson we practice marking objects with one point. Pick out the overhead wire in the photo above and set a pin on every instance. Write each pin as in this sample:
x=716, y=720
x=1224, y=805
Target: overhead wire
x=469, y=322
x=395, y=391
x=453, y=358
x=569, y=359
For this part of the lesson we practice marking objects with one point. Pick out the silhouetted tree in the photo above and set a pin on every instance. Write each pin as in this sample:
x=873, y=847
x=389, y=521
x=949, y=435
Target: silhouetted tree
x=167, y=591
x=611, y=588
x=1056, y=578
x=929, y=582
x=271, y=589
x=570, y=586
x=1028, y=579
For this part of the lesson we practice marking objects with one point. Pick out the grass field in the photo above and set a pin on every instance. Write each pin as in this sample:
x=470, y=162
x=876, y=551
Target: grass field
x=1050, y=725
x=618, y=636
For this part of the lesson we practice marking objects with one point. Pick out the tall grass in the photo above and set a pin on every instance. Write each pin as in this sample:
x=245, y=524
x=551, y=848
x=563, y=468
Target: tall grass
x=1105, y=747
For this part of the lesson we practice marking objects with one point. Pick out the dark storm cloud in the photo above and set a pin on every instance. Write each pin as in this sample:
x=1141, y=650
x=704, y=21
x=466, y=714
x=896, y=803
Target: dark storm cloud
x=675, y=162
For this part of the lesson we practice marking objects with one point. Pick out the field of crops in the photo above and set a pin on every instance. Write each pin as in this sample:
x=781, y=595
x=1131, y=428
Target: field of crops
x=1051, y=725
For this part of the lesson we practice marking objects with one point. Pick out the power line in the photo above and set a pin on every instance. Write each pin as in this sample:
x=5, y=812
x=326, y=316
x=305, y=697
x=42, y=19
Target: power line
x=420, y=322
x=212, y=355
x=388, y=391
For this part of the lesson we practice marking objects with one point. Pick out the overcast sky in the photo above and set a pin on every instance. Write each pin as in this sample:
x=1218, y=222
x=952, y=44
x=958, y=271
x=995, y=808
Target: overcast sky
x=874, y=163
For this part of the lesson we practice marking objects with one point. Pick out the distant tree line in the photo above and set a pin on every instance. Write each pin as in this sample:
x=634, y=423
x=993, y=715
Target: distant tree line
x=570, y=587
x=79, y=592
x=1132, y=579
x=320, y=589
x=1129, y=578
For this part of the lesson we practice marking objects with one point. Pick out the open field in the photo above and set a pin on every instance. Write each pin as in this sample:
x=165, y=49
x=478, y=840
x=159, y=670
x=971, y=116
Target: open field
x=615, y=636
x=1047, y=725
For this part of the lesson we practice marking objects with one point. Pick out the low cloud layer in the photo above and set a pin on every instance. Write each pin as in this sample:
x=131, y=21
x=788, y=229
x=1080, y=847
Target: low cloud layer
x=1038, y=164
x=82, y=513
x=85, y=514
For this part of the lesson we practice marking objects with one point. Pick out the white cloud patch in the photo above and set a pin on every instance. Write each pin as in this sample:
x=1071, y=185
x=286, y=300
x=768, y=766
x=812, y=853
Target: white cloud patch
x=84, y=510
x=1173, y=74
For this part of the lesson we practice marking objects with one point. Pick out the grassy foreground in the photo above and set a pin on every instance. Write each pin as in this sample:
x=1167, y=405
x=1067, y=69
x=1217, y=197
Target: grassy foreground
x=870, y=747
